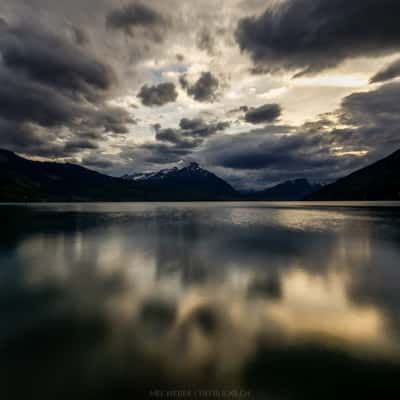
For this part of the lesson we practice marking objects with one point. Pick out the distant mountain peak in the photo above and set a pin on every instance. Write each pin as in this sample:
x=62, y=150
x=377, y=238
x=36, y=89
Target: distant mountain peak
x=193, y=165
x=189, y=178
x=191, y=168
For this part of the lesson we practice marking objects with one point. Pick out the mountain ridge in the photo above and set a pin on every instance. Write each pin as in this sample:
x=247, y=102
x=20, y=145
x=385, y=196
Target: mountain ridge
x=191, y=179
x=378, y=181
x=24, y=180
x=290, y=190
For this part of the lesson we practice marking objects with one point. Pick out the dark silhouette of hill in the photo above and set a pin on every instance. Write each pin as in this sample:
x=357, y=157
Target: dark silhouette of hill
x=293, y=190
x=379, y=181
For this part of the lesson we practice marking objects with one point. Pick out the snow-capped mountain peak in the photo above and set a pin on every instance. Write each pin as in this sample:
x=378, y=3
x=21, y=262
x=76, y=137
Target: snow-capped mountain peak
x=190, y=178
x=155, y=175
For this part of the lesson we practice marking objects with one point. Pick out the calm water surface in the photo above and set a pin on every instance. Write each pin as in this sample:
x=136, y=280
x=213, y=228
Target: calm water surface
x=228, y=300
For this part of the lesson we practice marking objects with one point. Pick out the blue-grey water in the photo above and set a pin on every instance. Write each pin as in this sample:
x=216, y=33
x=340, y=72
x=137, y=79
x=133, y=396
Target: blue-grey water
x=199, y=300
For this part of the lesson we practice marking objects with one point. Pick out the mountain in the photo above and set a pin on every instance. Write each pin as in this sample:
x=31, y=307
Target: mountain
x=154, y=176
x=292, y=190
x=23, y=180
x=379, y=181
x=191, y=182
x=26, y=180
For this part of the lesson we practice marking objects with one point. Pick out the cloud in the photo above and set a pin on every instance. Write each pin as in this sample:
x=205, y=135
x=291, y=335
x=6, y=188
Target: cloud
x=263, y=114
x=79, y=144
x=174, y=144
x=161, y=153
x=205, y=41
x=158, y=95
x=391, y=71
x=23, y=100
x=112, y=119
x=191, y=132
x=95, y=162
x=374, y=118
x=197, y=127
x=176, y=138
x=136, y=16
x=260, y=158
x=312, y=35
x=204, y=89
x=80, y=36
x=53, y=94
x=54, y=62
x=3, y=23
x=319, y=150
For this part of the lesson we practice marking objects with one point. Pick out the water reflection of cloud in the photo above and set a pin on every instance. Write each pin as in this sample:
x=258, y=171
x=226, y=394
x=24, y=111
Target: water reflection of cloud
x=194, y=299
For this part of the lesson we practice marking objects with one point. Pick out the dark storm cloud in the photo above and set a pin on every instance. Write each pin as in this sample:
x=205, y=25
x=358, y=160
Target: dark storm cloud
x=173, y=144
x=52, y=93
x=391, y=71
x=375, y=108
x=263, y=114
x=191, y=132
x=112, y=119
x=312, y=35
x=259, y=160
x=94, y=162
x=20, y=136
x=80, y=144
x=375, y=117
x=137, y=15
x=53, y=61
x=318, y=150
x=204, y=89
x=158, y=95
x=197, y=127
x=175, y=137
x=254, y=151
x=23, y=100
x=161, y=153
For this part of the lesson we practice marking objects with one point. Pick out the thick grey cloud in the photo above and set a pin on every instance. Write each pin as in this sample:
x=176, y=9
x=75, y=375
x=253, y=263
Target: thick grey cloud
x=312, y=35
x=95, y=162
x=161, y=153
x=391, y=71
x=263, y=114
x=158, y=95
x=80, y=144
x=111, y=119
x=191, y=132
x=177, y=138
x=53, y=61
x=53, y=94
x=174, y=144
x=318, y=150
x=23, y=100
x=261, y=159
x=138, y=16
x=204, y=89
x=375, y=118
x=197, y=127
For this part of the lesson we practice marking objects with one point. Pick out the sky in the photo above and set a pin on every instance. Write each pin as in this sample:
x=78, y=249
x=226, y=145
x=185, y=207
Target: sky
x=256, y=91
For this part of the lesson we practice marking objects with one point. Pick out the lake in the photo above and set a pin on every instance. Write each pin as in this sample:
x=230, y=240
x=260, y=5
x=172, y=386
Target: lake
x=199, y=300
